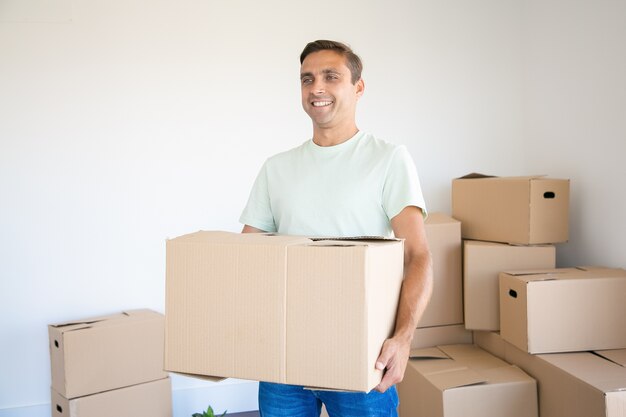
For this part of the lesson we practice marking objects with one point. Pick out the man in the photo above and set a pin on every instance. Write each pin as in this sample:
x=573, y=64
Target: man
x=344, y=182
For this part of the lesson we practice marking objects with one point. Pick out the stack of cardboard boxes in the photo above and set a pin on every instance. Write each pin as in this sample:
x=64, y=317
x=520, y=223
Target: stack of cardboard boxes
x=110, y=366
x=315, y=312
x=565, y=327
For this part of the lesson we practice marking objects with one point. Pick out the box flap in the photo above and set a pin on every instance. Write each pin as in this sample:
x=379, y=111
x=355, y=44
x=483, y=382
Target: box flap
x=567, y=273
x=598, y=371
x=74, y=324
x=534, y=272
x=443, y=371
x=202, y=377
x=227, y=238
x=103, y=320
x=428, y=353
x=455, y=378
x=617, y=356
x=474, y=175
x=362, y=239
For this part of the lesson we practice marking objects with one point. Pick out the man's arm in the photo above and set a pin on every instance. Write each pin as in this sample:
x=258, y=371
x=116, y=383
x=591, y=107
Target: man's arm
x=416, y=290
x=250, y=229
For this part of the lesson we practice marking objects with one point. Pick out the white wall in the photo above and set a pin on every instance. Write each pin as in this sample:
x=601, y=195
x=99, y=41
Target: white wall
x=575, y=118
x=123, y=122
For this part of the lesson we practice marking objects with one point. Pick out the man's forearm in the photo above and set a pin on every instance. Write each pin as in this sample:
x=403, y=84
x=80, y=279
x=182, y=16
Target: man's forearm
x=414, y=295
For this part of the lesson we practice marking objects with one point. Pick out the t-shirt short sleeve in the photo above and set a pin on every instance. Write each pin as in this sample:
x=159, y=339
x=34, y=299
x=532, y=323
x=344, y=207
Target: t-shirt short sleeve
x=258, y=211
x=402, y=186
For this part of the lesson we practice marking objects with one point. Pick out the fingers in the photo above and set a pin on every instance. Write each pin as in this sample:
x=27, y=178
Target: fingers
x=392, y=361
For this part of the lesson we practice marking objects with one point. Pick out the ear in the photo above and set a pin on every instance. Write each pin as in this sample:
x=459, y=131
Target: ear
x=360, y=88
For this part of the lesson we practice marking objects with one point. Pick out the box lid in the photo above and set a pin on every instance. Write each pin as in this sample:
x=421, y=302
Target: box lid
x=442, y=370
x=596, y=369
x=478, y=176
x=109, y=320
x=561, y=274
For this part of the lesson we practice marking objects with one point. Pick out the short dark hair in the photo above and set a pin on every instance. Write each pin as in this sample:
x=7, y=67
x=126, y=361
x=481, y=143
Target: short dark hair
x=353, y=62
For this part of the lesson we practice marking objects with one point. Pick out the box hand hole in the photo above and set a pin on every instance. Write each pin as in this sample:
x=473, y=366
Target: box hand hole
x=513, y=293
x=59, y=408
x=549, y=194
x=56, y=343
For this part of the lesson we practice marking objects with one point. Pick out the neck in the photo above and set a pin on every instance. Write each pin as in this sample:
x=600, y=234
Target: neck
x=332, y=137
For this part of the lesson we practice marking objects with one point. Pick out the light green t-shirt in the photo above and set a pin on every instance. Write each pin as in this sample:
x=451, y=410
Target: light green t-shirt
x=351, y=189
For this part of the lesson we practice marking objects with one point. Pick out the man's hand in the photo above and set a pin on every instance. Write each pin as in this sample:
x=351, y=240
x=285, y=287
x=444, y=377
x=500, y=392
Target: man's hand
x=414, y=296
x=392, y=360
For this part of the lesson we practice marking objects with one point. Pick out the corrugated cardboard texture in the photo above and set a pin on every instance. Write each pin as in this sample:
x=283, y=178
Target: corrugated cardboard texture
x=226, y=305
x=482, y=263
x=577, y=384
x=99, y=354
x=444, y=240
x=153, y=399
x=564, y=310
x=465, y=381
x=281, y=308
x=522, y=210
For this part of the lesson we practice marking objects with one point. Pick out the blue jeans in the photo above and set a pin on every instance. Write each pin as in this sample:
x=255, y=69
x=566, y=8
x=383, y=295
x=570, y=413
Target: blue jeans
x=281, y=400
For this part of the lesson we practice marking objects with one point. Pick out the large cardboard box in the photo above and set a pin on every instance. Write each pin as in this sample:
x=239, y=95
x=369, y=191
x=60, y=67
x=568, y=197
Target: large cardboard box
x=522, y=210
x=563, y=309
x=444, y=240
x=153, y=399
x=577, y=384
x=103, y=353
x=482, y=263
x=281, y=308
x=464, y=381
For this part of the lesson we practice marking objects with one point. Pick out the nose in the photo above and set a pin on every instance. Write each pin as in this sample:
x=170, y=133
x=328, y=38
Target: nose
x=319, y=86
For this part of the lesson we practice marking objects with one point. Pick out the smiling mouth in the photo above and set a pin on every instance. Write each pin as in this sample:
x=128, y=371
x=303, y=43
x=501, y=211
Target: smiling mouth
x=321, y=103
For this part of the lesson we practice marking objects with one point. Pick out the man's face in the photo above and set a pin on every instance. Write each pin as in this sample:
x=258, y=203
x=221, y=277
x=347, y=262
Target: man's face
x=328, y=95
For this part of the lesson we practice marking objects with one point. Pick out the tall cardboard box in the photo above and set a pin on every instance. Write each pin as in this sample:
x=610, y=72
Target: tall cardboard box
x=522, y=210
x=104, y=353
x=563, y=309
x=464, y=381
x=482, y=263
x=150, y=399
x=446, y=303
x=576, y=384
x=281, y=308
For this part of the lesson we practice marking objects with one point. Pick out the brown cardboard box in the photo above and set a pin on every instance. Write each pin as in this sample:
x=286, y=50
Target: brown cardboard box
x=150, y=399
x=523, y=210
x=577, y=384
x=464, y=381
x=563, y=310
x=103, y=353
x=455, y=334
x=446, y=303
x=281, y=308
x=482, y=262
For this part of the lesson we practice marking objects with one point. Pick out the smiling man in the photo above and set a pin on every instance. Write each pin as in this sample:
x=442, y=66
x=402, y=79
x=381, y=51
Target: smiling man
x=344, y=182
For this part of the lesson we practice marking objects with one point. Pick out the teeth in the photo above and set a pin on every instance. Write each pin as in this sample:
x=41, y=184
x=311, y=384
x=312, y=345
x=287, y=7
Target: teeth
x=322, y=103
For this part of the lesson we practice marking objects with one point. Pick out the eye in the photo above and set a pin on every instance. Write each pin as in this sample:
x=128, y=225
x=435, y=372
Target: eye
x=331, y=77
x=306, y=80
